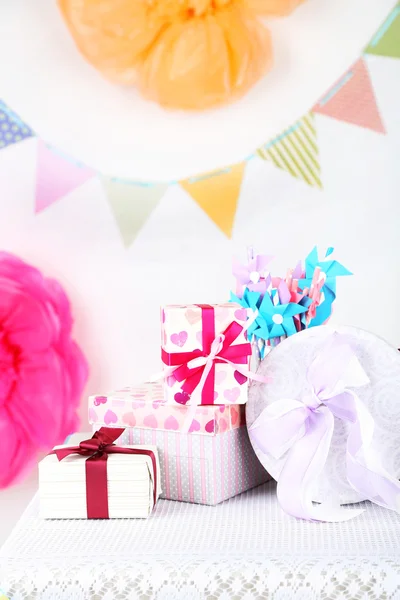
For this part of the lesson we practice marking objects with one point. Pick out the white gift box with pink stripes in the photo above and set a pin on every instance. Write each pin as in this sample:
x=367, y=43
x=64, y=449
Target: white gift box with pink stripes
x=202, y=469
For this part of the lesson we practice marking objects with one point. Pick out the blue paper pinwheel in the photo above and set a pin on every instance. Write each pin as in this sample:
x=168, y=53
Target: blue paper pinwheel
x=277, y=320
x=331, y=269
x=272, y=320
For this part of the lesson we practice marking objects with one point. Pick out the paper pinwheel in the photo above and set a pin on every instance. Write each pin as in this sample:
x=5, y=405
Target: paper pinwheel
x=250, y=300
x=330, y=269
x=277, y=320
x=272, y=320
x=253, y=275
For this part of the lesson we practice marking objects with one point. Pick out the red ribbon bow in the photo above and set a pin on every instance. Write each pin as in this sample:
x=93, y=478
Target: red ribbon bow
x=191, y=376
x=97, y=450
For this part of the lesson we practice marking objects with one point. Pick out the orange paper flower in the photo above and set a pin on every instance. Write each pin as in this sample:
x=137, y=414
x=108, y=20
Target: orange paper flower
x=190, y=54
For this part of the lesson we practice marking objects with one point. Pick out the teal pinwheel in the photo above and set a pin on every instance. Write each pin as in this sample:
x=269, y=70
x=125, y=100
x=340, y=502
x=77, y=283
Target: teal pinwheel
x=277, y=320
x=331, y=269
x=272, y=320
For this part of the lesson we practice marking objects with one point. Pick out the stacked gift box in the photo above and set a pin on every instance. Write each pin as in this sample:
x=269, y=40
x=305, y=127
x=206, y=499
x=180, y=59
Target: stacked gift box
x=195, y=418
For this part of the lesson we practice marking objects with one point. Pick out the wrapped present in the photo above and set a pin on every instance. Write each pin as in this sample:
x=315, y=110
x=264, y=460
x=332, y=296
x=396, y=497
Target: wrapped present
x=199, y=468
x=145, y=406
x=99, y=480
x=327, y=427
x=206, y=354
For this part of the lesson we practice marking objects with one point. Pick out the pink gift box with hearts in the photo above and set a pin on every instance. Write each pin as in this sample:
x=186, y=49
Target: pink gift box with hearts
x=145, y=406
x=206, y=354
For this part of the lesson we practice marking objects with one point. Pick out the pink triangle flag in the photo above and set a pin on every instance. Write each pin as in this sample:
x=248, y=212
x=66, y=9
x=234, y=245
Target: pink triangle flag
x=56, y=176
x=352, y=100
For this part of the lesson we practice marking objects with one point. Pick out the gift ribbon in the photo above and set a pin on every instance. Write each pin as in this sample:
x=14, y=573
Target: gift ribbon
x=197, y=368
x=303, y=429
x=97, y=449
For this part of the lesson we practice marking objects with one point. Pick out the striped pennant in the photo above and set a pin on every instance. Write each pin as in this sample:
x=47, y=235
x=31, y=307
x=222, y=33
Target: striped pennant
x=296, y=151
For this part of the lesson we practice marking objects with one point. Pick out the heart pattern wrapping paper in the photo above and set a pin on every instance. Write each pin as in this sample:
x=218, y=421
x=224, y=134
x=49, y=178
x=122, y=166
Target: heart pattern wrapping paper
x=182, y=333
x=144, y=406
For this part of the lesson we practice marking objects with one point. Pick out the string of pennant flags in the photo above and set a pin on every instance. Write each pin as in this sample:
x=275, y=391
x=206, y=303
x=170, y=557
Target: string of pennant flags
x=351, y=100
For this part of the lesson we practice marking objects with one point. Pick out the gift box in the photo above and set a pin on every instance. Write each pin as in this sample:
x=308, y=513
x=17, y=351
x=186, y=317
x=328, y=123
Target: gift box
x=327, y=426
x=99, y=480
x=199, y=468
x=206, y=354
x=145, y=406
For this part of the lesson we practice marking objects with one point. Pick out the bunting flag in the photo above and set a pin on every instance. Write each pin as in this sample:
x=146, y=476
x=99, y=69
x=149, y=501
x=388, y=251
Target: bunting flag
x=296, y=151
x=12, y=129
x=56, y=176
x=217, y=193
x=352, y=100
x=386, y=42
x=132, y=204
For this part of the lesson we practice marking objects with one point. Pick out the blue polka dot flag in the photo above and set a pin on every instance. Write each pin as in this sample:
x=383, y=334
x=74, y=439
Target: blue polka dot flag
x=12, y=129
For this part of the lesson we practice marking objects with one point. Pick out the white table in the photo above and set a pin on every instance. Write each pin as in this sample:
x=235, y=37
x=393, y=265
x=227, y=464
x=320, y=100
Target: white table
x=13, y=502
x=242, y=549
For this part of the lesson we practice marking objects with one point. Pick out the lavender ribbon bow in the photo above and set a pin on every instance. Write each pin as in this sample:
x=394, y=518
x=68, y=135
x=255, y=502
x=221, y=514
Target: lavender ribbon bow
x=303, y=429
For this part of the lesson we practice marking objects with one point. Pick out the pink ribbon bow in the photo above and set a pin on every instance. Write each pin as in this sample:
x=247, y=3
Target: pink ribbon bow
x=197, y=368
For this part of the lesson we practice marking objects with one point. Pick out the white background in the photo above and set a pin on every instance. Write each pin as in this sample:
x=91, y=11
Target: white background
x=181, y=256
x=114, y=130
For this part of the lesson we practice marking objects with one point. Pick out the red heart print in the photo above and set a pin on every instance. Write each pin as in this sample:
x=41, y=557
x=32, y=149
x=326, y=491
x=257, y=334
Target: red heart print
x=129, y=419
x=195, y=426
x=210, y=426
x=150, y=421
x=240, y=378
x=222, y=408
x=171, y=423
x=234, y=416
x=181, y=397
x=100, y=400
x=110, y=417
x=179, y=339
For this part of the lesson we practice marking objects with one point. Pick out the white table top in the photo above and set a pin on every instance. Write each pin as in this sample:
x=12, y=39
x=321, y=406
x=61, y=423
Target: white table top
x=243, y=548
x=13, y=502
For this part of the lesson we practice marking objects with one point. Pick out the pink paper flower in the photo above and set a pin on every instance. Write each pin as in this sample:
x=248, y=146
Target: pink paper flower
x=42, y=370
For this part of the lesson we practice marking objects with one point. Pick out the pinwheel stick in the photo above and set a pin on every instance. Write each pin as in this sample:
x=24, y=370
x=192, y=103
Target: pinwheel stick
x=314, y=281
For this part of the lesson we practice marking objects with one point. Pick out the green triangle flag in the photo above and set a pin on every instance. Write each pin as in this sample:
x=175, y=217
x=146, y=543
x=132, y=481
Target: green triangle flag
x=386, y=42
x=132, y=204
x=296, y=151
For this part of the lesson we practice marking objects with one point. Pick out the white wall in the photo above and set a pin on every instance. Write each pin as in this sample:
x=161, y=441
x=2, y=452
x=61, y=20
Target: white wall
x=180, y=255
